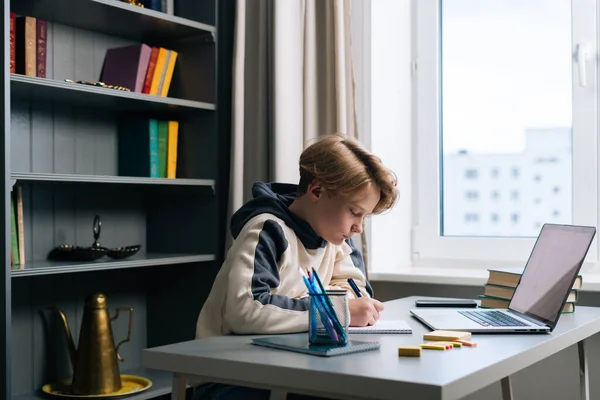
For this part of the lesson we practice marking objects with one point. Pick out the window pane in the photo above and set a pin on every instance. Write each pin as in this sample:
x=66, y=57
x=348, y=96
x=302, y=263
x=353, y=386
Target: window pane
x=506, y=123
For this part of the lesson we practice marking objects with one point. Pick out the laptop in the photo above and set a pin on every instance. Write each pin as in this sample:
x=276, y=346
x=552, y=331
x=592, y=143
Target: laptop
x=536, y=305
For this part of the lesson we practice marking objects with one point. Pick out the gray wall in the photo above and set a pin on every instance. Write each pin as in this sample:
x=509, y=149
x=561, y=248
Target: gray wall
x=554, y=378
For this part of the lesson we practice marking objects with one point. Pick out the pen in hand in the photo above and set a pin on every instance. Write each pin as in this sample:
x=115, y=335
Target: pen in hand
x=354, y=287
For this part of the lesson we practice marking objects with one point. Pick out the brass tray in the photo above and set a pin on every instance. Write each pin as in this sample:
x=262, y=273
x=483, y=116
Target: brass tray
x=132, y=384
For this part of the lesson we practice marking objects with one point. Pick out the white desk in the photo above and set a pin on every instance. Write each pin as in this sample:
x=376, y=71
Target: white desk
x=380, y=374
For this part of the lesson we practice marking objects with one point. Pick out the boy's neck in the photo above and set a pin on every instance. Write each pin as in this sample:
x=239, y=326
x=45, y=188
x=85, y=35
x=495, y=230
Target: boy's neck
x=299, y=207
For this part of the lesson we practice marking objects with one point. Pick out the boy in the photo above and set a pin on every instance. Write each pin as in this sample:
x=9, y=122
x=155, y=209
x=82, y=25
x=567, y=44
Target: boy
x=259, y=289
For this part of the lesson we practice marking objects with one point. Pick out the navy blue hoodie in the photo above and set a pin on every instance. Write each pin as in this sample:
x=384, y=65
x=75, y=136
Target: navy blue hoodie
x=259, y=288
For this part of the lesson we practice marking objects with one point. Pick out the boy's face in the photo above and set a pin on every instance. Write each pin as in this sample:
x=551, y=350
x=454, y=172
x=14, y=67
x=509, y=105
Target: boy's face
x=336, y=220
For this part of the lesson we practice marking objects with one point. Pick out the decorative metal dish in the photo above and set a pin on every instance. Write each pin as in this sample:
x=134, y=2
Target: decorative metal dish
x=68, y=252
x=123, y=252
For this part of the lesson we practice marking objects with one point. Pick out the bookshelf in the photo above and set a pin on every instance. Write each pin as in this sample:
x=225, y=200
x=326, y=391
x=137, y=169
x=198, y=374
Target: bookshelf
x=30, y=89
x=60, y=147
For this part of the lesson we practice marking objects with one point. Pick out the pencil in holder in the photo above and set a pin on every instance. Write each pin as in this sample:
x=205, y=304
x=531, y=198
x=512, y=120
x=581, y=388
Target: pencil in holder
x=329, y=318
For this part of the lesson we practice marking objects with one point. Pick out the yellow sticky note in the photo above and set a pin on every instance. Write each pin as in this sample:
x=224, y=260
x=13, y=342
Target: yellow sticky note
x=409, y=351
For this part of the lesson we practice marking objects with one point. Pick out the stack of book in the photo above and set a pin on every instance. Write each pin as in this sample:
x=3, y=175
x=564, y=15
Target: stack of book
x=501, y=285
x=140, y=68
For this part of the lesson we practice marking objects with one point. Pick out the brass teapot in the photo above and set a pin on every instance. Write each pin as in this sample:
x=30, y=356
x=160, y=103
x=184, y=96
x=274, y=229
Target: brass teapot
x=94, y=362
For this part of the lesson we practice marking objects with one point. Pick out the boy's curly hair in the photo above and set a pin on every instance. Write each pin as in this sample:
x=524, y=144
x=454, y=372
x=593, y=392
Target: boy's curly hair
x=345, y=168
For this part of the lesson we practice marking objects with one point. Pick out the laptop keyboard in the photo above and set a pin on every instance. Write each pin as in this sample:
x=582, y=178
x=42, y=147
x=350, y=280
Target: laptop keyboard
x=492, y=318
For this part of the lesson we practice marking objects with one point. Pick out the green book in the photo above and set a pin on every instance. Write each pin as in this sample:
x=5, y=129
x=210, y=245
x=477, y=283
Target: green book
x=14, y=242
x=163, y=140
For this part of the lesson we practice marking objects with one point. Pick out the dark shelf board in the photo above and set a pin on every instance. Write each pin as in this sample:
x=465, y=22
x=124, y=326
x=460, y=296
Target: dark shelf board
x=29, y=87
x=46, y=267
x=113, y=17
x=73, y=178
x=161, y=384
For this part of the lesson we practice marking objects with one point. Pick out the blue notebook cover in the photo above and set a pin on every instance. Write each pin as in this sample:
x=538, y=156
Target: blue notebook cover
x=300, y=344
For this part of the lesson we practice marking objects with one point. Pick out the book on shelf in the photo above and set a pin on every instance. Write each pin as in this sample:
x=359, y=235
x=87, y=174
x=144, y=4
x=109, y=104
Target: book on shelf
x=17, y=237
x=166, y=6
x=140, y=68
x=14, y=242
x=494, y=302
x=20, y=224
x=502, y=282
x=28, y=45
x=126, y=66
x=25, y=38
x=13, y=39
x=41, y=35
x=147, y=147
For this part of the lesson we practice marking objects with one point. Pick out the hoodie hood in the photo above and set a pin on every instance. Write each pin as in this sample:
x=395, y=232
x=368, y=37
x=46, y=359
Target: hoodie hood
x=276, y=198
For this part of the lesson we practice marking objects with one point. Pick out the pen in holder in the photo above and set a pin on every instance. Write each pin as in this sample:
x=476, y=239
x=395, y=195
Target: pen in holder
x=329, y=318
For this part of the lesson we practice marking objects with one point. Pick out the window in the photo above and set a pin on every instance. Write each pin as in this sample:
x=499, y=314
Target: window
x=498, y=83
x=471, y=217
x=471, y=174
x=471, y=195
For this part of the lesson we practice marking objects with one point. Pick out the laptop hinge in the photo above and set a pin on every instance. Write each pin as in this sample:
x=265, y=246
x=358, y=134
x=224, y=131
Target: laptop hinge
x=528, y=318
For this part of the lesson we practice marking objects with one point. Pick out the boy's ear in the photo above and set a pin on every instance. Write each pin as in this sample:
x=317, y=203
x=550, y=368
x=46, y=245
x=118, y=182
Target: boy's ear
x=315, y=190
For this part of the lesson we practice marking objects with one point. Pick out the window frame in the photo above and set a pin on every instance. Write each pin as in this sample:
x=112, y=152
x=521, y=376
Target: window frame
x=429, y=247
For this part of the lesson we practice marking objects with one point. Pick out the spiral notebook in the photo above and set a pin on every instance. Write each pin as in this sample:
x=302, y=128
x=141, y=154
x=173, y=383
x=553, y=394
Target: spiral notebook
x=300, y=344
x=383, y=326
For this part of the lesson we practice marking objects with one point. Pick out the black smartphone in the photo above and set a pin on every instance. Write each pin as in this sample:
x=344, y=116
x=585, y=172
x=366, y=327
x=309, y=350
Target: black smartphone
x=446, y=303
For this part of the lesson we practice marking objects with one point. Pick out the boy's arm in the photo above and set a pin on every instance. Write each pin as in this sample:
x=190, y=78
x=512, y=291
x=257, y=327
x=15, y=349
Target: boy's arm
x=349, y=264
x=252, y=305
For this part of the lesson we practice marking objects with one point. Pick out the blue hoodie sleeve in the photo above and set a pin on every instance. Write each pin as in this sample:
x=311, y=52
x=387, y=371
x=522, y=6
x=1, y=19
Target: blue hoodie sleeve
x=251, y=306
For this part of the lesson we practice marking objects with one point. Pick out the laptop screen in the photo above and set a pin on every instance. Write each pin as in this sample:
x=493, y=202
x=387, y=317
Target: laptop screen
x=551, y=270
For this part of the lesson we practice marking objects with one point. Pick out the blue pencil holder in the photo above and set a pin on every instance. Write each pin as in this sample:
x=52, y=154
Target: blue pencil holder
x=329, y=318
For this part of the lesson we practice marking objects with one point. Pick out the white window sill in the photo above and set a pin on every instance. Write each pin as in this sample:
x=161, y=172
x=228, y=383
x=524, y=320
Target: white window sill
x=462, y=277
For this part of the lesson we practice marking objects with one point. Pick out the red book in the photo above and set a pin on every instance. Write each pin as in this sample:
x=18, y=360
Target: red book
x=42, y=36
x=13, y=49
x=150, y=71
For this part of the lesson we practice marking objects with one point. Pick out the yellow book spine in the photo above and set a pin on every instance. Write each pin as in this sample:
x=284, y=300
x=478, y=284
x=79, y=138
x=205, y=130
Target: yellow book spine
x=158, y=71
x=20, y=227
x=172, y=149
x=164, y=90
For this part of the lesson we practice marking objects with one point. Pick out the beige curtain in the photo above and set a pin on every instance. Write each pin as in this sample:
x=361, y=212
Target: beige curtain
x=292, y=82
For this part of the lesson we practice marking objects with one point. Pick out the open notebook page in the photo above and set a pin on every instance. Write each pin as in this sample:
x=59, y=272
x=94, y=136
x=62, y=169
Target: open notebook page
x=383, y=326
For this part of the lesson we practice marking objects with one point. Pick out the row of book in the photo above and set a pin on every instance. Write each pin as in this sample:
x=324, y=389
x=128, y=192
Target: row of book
x=148, y=148
x=165, y=6
x=140, y=68
x=500, y=288
x=17, y=238
x=28, y=44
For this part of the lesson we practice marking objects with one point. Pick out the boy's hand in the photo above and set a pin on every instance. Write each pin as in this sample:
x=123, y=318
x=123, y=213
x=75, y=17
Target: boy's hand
x=364, y=311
